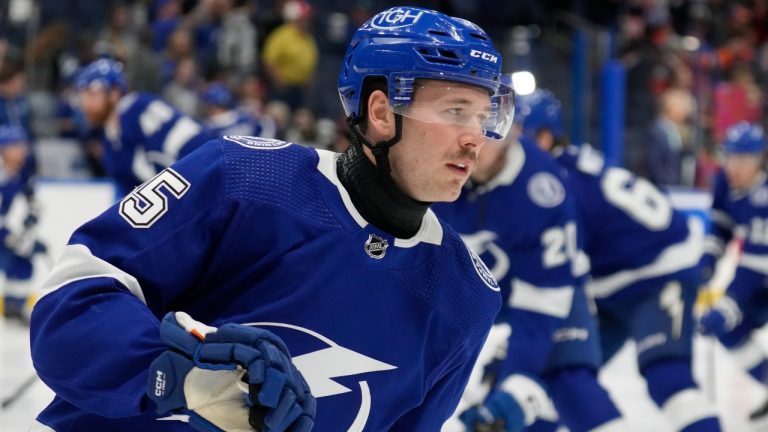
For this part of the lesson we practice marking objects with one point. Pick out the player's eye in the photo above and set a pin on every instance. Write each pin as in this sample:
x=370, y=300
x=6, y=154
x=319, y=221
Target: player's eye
x=455, y=112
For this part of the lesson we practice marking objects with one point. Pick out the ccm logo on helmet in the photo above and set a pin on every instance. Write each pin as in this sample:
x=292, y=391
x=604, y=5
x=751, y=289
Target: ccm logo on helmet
x=484, y=55
x=396, y=18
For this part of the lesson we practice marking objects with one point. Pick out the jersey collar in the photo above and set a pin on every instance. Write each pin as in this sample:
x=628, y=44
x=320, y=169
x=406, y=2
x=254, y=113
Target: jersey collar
x=430, y=231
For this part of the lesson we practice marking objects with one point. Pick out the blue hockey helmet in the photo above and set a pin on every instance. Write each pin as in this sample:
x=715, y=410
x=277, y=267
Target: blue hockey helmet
x=103, y=72
x=405, y=44
x=540, y=110
x=218, y=94
x=744, y=138
x=12, y=135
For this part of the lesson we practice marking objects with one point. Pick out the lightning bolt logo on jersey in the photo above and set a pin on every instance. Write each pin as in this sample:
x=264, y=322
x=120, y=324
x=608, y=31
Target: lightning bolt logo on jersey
x=264, y=233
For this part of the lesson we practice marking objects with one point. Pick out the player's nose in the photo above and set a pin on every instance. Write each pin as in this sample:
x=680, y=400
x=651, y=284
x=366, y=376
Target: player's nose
x=471, y=137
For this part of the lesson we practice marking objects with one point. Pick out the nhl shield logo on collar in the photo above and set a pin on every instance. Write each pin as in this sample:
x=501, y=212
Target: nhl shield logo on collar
x=376, y=246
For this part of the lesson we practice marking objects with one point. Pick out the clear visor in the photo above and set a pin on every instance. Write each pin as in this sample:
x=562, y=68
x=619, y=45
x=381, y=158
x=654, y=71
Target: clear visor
x=458, y=104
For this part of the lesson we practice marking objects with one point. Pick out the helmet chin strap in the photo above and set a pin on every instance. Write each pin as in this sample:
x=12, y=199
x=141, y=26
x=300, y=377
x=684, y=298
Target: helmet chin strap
x=372, y=189
x=380, y=150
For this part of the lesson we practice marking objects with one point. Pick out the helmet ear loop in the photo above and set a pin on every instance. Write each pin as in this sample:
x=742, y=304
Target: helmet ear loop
x=380, y=150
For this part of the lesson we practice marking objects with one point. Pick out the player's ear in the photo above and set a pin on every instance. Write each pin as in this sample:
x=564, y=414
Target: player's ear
x=381, y=120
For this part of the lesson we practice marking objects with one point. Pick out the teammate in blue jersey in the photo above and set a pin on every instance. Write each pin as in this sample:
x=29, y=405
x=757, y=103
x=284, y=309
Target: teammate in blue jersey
x=223, y=118
x=644, y=265
x=740, y=208
x=16, y=247
x=143, y=134
x=518, y=216
x=317, y=270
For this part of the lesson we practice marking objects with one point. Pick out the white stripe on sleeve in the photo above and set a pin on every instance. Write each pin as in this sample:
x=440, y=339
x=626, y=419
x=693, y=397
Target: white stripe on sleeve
x=554, y=301
x=78, y=263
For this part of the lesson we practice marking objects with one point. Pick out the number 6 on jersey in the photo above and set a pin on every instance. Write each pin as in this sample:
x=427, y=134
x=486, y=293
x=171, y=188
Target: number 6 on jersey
x=146, y=204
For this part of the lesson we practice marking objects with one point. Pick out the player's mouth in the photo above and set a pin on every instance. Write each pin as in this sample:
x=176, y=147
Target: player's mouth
x=463, y=168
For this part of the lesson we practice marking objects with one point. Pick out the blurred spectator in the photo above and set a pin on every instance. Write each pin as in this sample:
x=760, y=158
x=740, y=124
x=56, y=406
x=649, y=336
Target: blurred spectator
x=252, y=99
x=739, y=48
x=13, y=103
x=290, y=55
x=44, y=49
x=707, y=166
x=326, y=132
x=118, y=37
x=738, y=99
x=180, y=46
x=652, y=67
x=280, y=113
x=303, y=129
x=237, y=39
x=342, y=140
x=166, y=18
x=668, y=145
x=182, y=91
x=252, y=94
x=223, y=118
x=143, y=67
x=15, y=112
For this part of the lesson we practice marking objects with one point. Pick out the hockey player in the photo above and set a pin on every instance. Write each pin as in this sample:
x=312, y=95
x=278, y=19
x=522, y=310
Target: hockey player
x=143, y=134
x=644, y=265
x=518, y=216
x=223, y=118
x=16, y=248
x=740, y=207
x=340, y=277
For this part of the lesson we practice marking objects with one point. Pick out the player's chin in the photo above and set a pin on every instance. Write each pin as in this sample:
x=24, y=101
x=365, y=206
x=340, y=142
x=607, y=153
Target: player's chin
x=450, y=193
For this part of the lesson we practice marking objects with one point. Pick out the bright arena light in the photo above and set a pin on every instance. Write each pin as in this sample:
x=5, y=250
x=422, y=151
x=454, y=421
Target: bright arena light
x=691, y=43
x=523, y=82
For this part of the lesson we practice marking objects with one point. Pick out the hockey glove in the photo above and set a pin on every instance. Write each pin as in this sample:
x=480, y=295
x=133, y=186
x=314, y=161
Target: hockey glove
x=24, y=244
x=234, y=378
x=723, y=317
x=499, y=413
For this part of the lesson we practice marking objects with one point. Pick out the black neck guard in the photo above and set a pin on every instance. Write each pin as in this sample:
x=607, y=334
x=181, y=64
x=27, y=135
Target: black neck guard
x=376, y=196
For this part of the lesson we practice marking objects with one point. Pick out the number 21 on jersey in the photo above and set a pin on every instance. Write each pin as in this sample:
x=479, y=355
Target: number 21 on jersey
x=559, y=245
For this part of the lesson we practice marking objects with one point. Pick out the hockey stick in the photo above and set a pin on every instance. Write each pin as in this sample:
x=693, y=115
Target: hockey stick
x=19, y=392
x=706, y=299
x=711, y=370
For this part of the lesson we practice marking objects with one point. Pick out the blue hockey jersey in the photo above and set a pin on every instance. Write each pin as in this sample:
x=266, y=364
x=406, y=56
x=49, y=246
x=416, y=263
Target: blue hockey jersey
x=15, y=111
x=150, y=135
x=261, y=232
x=635, y=240
x=744, y=214
x=10, y=187
x=523, y=225
x=236, y=122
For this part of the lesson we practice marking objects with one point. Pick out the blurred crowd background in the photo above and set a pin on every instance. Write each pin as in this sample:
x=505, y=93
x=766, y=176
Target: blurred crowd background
x=688, y=68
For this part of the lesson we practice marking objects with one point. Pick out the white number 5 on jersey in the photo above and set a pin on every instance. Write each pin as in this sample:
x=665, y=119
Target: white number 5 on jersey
x=147, y=203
